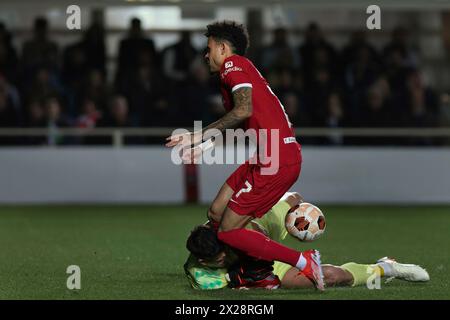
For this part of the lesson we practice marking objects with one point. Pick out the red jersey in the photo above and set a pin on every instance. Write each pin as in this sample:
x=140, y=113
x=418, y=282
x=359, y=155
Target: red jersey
x=268, y=112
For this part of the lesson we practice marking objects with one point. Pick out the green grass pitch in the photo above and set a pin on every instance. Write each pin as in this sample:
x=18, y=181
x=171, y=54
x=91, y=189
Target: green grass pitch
x=137, y=252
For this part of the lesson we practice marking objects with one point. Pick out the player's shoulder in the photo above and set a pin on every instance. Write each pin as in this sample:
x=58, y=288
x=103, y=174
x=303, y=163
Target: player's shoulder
x=237, y=59
x=234, y=63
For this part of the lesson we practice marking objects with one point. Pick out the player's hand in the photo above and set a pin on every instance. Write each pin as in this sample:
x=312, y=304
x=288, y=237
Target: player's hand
x=185, y=139
x=191, y=155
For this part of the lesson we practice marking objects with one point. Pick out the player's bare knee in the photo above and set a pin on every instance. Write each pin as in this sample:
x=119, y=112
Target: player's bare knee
x=330, y=276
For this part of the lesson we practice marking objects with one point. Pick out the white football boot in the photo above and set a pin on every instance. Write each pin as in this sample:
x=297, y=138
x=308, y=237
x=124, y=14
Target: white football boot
x=407, y=272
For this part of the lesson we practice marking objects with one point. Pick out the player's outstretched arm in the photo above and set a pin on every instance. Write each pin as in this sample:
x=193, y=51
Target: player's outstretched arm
x=187, y=139
x=242, y=110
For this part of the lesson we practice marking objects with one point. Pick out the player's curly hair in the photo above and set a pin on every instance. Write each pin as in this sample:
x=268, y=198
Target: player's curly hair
x=203, y=243
x=236, y=34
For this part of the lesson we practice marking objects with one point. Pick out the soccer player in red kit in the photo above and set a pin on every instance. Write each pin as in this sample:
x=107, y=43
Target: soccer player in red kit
x=252, y=189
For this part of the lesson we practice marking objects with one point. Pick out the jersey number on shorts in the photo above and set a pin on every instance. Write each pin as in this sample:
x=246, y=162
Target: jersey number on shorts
x=248, y=189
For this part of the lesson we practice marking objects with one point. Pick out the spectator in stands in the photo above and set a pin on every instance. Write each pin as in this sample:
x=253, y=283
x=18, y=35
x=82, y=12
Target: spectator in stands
x=214, y=110
x=44, y=83
x=9, y=114
x=54, y=113
x=444, y=110
x=399, y=57
x=358, y=44
x=56, y=119
x=376, y=112
x=395, y=70
x=359, y=74
x=317, y=97
x=83, y=57
x=35, y=115
x=422, y=106
x=96, y=89
x=75, y=66
x=35, y=118
x=422, y=99
x=291, y=106
x=144, y=92
x=335, y=118
x=282, y=81
x=316, y=53
x=135, y=50
x=195, y=98
x=95, y=46
x=362, y=71
x=280, y=54
x=8, y=56
x=400, y=44
x=118, y=116
x=444, y=115
x=8, y=117
x=177, y=59
x=40, y=51
x=10, y=104
x=89, y=116
x=295, y=109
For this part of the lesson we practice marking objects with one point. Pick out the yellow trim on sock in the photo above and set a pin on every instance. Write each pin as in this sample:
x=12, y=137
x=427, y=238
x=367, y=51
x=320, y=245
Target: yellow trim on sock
x=380, y=269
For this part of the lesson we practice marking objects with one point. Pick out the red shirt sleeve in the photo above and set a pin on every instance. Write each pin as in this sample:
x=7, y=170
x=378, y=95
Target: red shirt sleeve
x=234, y=75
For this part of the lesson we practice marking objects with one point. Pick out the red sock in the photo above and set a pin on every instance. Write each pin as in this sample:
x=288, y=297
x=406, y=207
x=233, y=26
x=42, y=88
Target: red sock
x=257, y=245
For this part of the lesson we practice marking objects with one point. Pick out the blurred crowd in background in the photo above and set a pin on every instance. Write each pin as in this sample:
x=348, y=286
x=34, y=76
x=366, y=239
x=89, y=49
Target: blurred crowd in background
x=45, y=85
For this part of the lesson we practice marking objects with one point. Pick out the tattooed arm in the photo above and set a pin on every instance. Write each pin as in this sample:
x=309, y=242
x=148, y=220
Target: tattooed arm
x=242, y=110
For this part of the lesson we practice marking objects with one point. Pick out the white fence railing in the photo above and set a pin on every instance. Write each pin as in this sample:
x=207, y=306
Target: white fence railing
x=119, y=134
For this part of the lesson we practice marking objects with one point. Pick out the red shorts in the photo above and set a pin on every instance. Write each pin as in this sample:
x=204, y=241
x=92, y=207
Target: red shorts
x=255, y=194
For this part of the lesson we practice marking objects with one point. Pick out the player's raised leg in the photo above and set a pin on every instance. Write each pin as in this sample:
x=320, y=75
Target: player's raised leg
x=257, y=245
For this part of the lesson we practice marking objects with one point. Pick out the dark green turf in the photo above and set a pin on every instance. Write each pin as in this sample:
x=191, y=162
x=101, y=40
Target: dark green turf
x=137, y=252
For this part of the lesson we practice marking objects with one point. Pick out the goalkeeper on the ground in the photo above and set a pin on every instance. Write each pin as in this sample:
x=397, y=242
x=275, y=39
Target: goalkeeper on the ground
x=212, y=265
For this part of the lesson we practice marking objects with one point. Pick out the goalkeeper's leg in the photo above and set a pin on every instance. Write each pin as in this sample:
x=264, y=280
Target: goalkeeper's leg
x=332, y=276
x=351, y=274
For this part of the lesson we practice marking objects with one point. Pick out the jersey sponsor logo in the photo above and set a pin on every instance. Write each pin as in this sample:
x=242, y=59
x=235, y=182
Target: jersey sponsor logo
x=227, y=71
x=228, y=64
